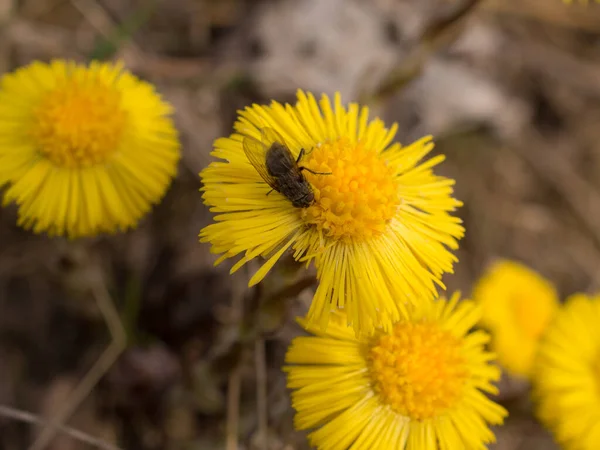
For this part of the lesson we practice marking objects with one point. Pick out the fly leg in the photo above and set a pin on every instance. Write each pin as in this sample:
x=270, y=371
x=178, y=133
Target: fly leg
x=313, y=172
x=306, y=168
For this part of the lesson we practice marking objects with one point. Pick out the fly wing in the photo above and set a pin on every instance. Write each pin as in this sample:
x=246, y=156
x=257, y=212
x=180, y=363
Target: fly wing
x=269, y=136
x=256, y=152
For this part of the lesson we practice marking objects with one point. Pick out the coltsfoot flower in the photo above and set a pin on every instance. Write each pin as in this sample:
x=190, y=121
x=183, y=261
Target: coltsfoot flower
x=580, y=2
x=518, y=304
x=566, y=374
x=420, y=386
x=83, y=149
x=379, y=227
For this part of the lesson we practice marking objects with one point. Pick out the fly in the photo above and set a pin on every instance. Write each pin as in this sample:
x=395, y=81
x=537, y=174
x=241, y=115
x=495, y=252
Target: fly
x=275, y=163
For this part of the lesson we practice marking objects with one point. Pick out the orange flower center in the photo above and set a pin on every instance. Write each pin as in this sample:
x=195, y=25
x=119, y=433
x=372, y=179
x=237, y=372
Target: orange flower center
x=357, y=196
x=418, y=370
x=79, y=124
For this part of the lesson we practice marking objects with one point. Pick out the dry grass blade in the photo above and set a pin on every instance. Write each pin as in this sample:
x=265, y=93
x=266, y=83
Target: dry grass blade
x=23, y=416
x=98, y=370
x=233, y=408
x=95, y=14
x=235, y=382
x=261, y=392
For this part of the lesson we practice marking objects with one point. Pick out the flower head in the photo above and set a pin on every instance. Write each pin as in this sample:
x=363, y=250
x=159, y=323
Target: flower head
x=420, y=386
x=517, y=305
x=566, y=377
x=581, y=2
x=83, y=149
x=376, y=220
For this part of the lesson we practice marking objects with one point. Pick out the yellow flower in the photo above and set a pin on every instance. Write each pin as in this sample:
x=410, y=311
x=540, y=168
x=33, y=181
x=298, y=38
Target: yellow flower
x=517, y=306
x=83, y=149
x=378, y=228
x=581, y=2
x=419, y=387
x=566, y=377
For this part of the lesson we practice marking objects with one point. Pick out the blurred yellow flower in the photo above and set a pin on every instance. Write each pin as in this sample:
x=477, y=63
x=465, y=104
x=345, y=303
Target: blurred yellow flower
x=374, y=218
x=517, y=305
x=83, y=149
x=566, y=376
x=421, y=386
x=581, y=2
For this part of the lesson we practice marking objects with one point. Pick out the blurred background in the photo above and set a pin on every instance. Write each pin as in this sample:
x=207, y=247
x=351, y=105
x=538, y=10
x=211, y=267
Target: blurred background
x=509, y=88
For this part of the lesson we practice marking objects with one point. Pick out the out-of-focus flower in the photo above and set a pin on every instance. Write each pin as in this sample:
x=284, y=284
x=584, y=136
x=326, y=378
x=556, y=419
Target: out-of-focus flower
x=421, y=386
x=566, y=376
x=517, y=305
x=581, y=2
x=83, y=149
x=373, y=216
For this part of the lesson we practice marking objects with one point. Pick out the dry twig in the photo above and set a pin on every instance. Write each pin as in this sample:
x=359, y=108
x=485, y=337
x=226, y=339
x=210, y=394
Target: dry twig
x=441, y=31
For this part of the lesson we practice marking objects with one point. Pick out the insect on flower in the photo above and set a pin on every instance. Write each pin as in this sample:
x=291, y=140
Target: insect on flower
x=275, y=163
x=379, y=227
